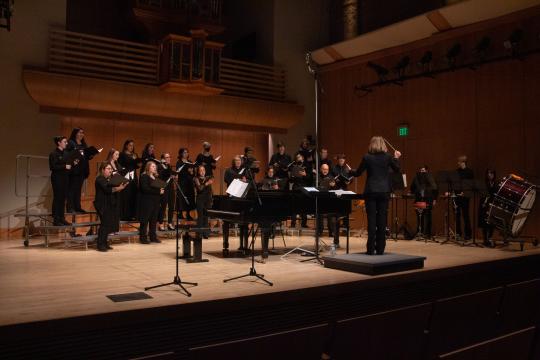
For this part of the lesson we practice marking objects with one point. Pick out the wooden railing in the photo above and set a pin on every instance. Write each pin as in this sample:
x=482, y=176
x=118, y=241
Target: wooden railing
x=101, y=57
x=245, y=79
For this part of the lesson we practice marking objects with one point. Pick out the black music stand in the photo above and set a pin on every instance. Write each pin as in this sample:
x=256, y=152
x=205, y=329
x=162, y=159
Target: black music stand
x=252, y=270
x=449, y=182
x=176, y=279
x=475, y=187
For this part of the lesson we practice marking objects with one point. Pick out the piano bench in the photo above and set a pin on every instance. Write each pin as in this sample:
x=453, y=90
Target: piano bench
x=187, y=239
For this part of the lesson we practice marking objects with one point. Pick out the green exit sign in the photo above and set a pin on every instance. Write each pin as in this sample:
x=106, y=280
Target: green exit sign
x=403, y=130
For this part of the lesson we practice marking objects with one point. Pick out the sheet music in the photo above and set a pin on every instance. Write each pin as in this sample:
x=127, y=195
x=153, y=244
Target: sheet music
x=237, y=188
x=340, y=192
x=130, y=175
x=404, y=180
x=311, y=189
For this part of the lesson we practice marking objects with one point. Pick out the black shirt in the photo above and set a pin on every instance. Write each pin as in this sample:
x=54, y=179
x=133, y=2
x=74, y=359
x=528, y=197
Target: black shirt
x=57, y=162
x=378, y=167
x=233, y=173
x=282, y=161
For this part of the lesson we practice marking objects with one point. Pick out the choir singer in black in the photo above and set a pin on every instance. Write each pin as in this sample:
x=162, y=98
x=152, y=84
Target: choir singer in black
x=59, y=179
x=377, y=163
x=106, y=204
x=148, y=204
x=327, y=182
x=203, y=187
x=280, y=161
x=236, y=171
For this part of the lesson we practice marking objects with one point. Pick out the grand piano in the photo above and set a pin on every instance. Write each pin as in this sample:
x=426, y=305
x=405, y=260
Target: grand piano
x=276, y=206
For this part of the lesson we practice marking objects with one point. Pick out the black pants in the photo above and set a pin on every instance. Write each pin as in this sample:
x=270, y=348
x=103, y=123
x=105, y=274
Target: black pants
x=103, y=232
x=202, y=217
x=331, y=223
x=166, y=203
x=462, y=210
x=74, y=192
x=149, y=224
x=243, y=236
x=128, y=201
x=377, y=212
x=60, y=184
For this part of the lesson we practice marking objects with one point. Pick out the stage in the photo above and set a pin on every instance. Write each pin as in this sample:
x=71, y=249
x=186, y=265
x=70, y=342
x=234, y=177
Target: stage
x=41, y=284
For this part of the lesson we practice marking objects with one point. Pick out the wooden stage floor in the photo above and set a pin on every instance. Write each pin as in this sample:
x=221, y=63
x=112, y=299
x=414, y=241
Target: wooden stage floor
x=39, y=283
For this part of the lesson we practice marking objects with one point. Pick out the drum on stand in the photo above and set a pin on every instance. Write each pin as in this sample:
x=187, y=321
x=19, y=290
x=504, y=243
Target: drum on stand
x=509, y=207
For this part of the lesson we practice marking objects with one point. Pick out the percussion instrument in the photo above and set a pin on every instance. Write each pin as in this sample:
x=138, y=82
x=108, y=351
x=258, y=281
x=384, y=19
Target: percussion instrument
x=420, y=205
x=509, y=207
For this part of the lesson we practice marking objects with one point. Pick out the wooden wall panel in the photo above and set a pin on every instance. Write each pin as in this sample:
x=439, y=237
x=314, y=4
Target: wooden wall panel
x=491, y=114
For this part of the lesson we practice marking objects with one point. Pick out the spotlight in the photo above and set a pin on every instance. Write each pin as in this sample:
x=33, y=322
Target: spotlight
x=452, y=54
x=512, y=43
x=482, y=47
x=380, y=70
x=426, y=61
x=401, y=66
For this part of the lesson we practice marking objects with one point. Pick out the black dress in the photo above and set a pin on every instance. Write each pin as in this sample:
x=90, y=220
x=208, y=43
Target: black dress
x=204, y=202
x=59, y=181
x=208, y=161
x=167, y=198
x=79, y=172
x=377, y=194
x=128, y=196
x=106, y=204
x=185, y=182
x=231, y=174
x=148, y=208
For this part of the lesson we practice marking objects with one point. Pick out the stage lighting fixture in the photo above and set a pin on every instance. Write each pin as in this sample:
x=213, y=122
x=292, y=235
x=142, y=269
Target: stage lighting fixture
x=401, y=66
x=426, y=62
x=482, y=47
x=452, y=54
x=381, y=71
x=512, y=43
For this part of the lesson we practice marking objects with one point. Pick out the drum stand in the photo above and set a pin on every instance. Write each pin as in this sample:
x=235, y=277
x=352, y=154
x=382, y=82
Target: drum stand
x=420, y=235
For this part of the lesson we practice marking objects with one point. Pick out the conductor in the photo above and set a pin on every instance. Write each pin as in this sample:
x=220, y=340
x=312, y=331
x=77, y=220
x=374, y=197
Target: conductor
x=377, y=163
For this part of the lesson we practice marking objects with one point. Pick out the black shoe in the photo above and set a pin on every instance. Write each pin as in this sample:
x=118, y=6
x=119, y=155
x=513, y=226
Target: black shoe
x=379, y=253
x=144, y=241
x=65, y=222
x=109, y=247
x=155, y=240
x=370, y=253
x=58, y=223
x=225, y=252
x=102, y=249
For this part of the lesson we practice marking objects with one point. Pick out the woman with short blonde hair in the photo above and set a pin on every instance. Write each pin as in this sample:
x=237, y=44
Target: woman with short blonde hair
x=377, y=163
x=377, y=145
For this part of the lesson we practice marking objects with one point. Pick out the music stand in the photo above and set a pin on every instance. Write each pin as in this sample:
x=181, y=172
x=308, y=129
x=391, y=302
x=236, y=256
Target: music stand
x=475, y=187
x=176, y=279
x=449, y=182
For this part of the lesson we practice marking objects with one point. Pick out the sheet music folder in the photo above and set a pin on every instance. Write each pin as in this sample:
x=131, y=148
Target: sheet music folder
x=238, y=188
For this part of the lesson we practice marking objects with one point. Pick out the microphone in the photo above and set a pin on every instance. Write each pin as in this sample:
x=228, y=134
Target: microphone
x=309, y=64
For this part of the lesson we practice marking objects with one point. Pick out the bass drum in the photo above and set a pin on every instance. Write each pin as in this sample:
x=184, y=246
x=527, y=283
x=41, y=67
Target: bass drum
x=509, y=207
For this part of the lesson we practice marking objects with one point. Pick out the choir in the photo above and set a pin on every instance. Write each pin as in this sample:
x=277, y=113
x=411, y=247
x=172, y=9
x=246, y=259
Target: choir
x=152, y=197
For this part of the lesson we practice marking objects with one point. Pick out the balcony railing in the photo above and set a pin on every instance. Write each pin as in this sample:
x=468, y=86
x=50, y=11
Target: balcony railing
x=245, y=79
x=100, y=57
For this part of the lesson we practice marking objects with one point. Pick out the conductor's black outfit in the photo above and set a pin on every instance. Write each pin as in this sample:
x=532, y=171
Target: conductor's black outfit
x=60, y=182
x=106, y=204
x=148, y=209
x=377, y=193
